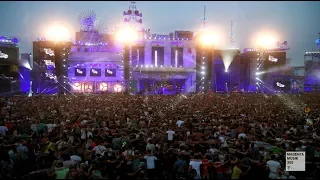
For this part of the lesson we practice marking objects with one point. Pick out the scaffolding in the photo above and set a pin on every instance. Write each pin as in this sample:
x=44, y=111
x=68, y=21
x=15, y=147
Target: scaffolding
x=312, y=66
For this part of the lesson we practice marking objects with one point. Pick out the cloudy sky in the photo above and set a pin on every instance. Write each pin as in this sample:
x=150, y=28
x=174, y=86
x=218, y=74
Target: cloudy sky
x=296, y=22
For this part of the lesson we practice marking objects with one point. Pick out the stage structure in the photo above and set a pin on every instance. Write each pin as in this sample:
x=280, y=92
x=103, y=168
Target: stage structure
x=157, y=64
x=298, y=76
x=50, y=66
x=312, y=71
x=130, y=59
x=204, y=42
x=9, y=65
x=95, y=61
x=270, y=62
x=25, y=72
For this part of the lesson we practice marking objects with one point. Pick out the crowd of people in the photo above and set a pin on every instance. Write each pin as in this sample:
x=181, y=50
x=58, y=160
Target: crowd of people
x=198, y=136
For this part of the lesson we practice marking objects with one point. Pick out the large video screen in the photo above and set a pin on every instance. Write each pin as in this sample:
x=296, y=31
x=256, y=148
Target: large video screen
x=80, y=72
x=9, y=54
x=95, y=72
x=282, y=84
x=110, y=72
x=274, y=60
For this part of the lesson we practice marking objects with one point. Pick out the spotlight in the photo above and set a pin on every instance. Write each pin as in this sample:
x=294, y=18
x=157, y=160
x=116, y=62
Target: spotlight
x=226, y=70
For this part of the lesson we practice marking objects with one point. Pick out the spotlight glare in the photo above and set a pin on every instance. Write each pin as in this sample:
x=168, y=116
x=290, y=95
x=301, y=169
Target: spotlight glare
x=266, y=42
x=126, y=35
x=57, y=32
x=209, y=39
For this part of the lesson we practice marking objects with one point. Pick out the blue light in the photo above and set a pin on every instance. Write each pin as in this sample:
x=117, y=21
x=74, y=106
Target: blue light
x=15, y=40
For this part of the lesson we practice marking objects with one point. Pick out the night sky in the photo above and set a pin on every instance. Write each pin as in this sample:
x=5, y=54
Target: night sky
x=296, y=22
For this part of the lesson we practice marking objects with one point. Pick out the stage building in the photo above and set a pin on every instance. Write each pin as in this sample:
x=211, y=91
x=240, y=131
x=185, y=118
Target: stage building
x=95, y=65
x=164, y=65
x=158, y=65
x=9, y=65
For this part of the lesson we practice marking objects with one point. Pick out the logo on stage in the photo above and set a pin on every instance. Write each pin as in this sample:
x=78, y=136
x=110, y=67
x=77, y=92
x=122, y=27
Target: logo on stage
x=80, y=72
x=95, y=72
x=110, y=72
x=3, y=55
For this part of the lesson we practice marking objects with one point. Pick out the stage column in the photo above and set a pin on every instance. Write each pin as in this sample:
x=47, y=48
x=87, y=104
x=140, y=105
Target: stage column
x=148, y=52
x=167, y=53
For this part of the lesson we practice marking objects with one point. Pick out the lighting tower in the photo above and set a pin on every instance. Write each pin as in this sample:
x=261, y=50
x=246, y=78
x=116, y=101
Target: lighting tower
x=205, y=42
x=126, y=36
x=232, y=41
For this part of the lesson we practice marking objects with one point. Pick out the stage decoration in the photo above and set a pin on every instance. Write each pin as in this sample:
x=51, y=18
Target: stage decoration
x=76, y=87
x=3, y=55
x=49, y=63
x=272, y=59
x=280, y=85
x=49, y=51
x=100, y=26
x=117, y=88
x=94, y=71
x=103, y=86
x=86, y=20
x=93, y=28
x=79, y=71
x=88, y=87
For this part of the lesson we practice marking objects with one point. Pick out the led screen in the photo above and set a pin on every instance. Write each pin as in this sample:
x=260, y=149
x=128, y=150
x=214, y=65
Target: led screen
x=80, y=72
x=110, y=72
x=9, y=54
x=274, y=60
x=281, y=84
x=102, y=86
x=95, y=72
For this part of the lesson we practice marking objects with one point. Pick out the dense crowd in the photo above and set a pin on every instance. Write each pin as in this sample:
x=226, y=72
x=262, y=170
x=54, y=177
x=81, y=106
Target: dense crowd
x=199, y=136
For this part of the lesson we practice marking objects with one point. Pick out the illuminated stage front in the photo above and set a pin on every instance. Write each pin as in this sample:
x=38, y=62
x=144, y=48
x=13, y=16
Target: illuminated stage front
x=164, y=80
x=95, y=77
